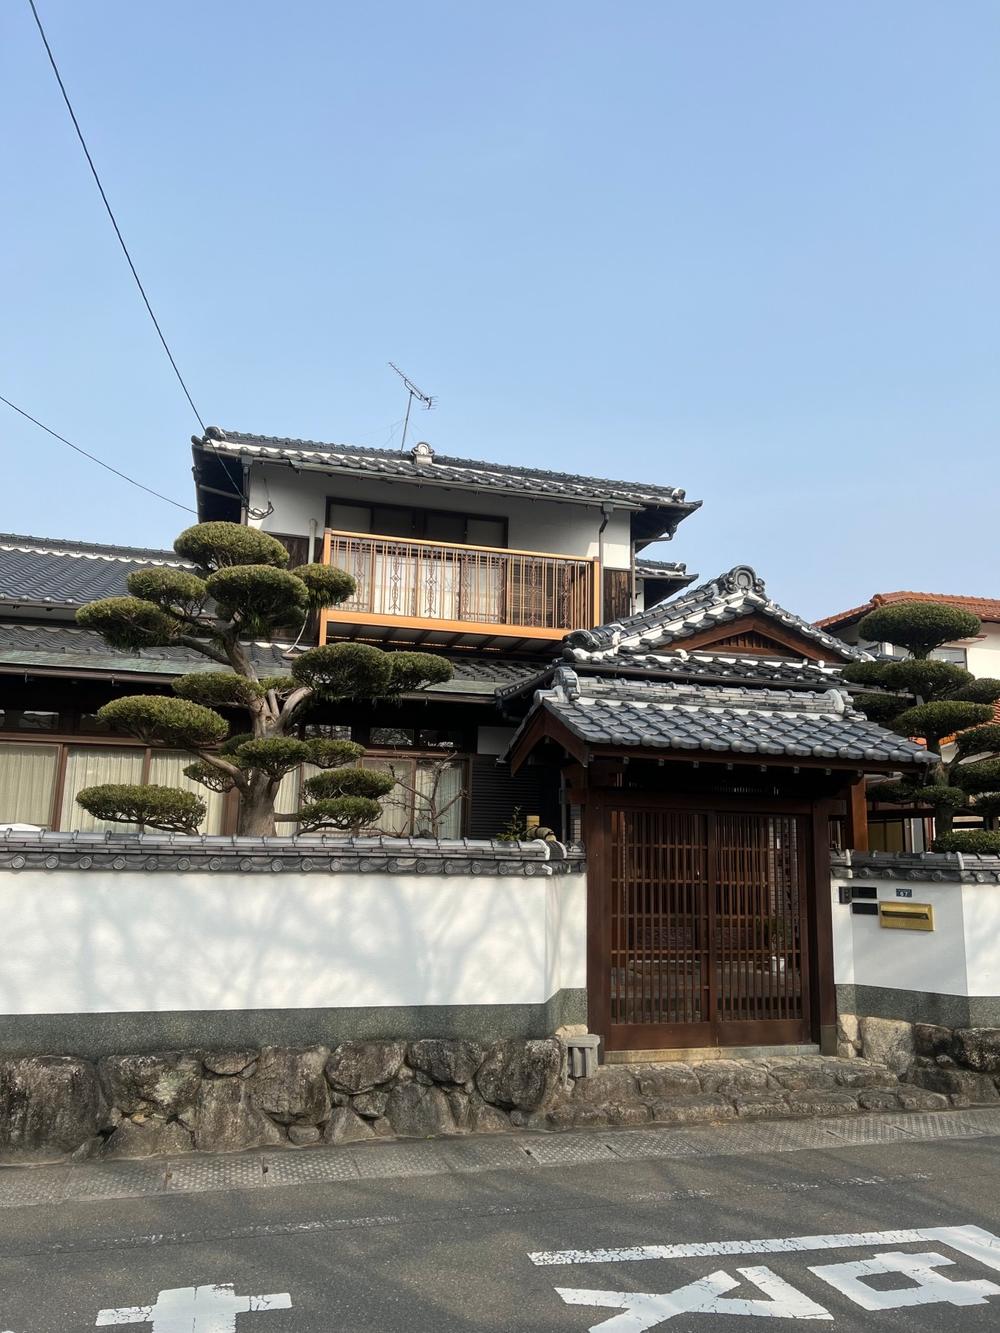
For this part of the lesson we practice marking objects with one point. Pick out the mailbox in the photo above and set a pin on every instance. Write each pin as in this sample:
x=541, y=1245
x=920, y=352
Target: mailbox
x=906, y=916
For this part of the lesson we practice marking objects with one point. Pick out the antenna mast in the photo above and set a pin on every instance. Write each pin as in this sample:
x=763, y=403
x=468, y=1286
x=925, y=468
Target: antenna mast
x=413, y=392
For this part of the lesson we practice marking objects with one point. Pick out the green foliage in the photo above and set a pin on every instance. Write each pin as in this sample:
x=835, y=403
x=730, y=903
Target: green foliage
x=979, y=740
x=280, y=684
x=209, y=776
x=327, y=585
x=169, y=589
x=157, y=807
x=232, y=743
x=350, y=782
x=273, y=755
x=941, y=796
x=881, y=708
x=925, y=677
x=345, y=671
x=942, y=718
x=411, y=671
x=259, y=597
x=218, y=689
x=987, y=804
x=981, y=776
x=918, y=626
x=343, y=812
x=129, y=623
x=326, y=753
x=173, y=722
x=517, y=829
x=986, y=690
x=896, y=793
x=218, y=545
x=974, y=841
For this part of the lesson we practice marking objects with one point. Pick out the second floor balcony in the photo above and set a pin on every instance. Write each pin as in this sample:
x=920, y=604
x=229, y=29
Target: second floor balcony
x=476, y=596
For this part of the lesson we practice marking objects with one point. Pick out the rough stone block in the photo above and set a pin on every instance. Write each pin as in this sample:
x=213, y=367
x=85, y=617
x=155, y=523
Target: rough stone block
x=303, y=1135
x=931, y=1040
x=370, y=1104
x=228, y=1063
x=446, y=1061
x=290, y=1085
x=822, y=1102
x=167, y=1082
x=888, y=1041
x=731, y=1077
x=357, y=1066
x=48, y=1105
x=860, y=1074
x=667, y=1080
x=848, y=1034
x=226, y=1119
x=690, y=1110
x=520, y=1073
x=878, y=1099
x=346, y=1127
x=801, y=1075
x=609, y=1083
x=979, y=1088
x=917, y=1099
x=978, y=1049
x=150, y=1137
x=769, y=1105
x=416, y=1112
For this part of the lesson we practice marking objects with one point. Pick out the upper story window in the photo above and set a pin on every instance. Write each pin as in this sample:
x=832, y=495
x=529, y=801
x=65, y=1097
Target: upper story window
x=957, y=656
x=414, y=524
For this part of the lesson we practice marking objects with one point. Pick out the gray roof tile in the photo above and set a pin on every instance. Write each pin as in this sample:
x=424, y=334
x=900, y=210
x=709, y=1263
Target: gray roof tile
x=64, y=573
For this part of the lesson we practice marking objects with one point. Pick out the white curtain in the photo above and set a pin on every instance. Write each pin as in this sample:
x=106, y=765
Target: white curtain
x=166, y=769
x=27, y=782
x=89, y=766
x=449, y=786
x=395, y=820
x=286, y=802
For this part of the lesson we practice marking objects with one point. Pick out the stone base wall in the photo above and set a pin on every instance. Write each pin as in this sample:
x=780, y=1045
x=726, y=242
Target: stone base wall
x=962, y=1063
x=58, y=1107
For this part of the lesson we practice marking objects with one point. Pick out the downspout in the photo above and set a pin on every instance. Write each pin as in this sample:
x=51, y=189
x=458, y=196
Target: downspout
x=634, y=596
x=313, y=525
x=606, y=512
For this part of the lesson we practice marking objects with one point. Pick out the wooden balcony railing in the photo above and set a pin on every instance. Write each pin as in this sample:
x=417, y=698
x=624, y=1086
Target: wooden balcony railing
x=435, y=586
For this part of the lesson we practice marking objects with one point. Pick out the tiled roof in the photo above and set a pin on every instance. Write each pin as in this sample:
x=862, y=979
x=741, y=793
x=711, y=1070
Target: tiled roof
x=737, y=721
x=732, y=595
x=67, y=646
x=986, y=608
x=663, y=569
x=444, y=469
x=65, y=573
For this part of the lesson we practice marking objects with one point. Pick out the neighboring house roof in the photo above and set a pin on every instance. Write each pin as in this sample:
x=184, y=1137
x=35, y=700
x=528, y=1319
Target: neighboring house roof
x=738, y=593
x=664, y=716
x=986, y=608
x=64, y=573
x=663, y=569
x=442, y=469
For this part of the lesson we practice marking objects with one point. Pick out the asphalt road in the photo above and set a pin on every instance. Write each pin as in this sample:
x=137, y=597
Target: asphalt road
x=489, y=1251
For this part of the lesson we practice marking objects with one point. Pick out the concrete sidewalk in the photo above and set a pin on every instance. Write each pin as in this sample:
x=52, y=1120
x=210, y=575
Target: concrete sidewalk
x=27, y=1186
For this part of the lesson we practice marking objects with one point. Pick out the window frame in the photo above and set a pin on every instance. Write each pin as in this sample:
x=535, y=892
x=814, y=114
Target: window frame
x=423, y=512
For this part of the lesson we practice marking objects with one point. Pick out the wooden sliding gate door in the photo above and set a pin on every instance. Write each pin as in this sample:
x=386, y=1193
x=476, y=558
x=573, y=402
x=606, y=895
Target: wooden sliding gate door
x=703, y=923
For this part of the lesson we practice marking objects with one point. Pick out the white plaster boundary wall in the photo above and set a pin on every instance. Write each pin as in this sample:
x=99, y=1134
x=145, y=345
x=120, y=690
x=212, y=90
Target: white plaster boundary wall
x=950, y=973
x=370, y=938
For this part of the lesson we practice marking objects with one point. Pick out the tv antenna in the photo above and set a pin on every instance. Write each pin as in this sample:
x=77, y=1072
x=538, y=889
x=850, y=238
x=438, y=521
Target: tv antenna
x=414, y=392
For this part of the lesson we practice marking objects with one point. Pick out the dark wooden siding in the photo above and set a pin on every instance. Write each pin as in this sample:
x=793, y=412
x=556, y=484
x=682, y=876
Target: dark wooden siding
x=494, y=795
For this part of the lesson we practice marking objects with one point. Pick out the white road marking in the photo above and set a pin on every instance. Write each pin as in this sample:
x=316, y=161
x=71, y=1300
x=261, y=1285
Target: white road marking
x=973, y=1241
x=211, y=1309
x=931, y=1288
x=645, y=1309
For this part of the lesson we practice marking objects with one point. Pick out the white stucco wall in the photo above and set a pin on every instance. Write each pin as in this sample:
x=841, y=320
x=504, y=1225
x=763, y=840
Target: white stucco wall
x=84, y=942
x=961, y=956
x=533, y=525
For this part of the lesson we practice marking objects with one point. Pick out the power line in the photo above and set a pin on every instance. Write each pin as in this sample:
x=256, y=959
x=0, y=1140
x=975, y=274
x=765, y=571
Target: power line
x=114, y=222
x=93, y=457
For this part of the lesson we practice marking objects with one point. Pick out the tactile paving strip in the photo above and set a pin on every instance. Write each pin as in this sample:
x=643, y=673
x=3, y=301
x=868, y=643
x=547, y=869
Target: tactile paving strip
x=937, y=1125
x=118, y=1180
x=308, y=1167
x=489, y=1155
x=19, y=1188
x=194, y=1174
x=567, y=1149
x=377, y=1161
x=641, y=1144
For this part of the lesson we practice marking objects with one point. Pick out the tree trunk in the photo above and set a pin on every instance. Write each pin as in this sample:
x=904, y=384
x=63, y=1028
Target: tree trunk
x=256, y=818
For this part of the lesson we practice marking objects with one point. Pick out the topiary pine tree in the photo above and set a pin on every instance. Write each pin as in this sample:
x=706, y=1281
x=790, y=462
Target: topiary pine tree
x=241, y=589
x=920, y=696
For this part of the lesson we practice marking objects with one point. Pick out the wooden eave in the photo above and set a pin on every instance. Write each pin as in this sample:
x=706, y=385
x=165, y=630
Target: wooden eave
x=798, y=645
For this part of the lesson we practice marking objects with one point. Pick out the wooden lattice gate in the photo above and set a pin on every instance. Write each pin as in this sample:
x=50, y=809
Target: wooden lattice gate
x=700, y=927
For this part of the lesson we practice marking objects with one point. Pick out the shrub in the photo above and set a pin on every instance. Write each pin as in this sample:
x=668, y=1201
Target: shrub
x=979, y=740
x=880, y=708
x=209, y=776
x=974, y=841
x=327, y=585
x=218, y=688
x=159, y=807
x=273, y=755
x=218, y=545
x=232, y=743
x=172, y=722
x=941, y=718
x=349, y=782
x=129, y=623
x=986, y=690
x=981, y=776
x=280, y=684
x=331, y=754
x=411, y=671
x=918, y=626
x=940, y=796
x=343, y=812
x=922, y=676
x=169, y=587
x=258, y=596
x=345, y=670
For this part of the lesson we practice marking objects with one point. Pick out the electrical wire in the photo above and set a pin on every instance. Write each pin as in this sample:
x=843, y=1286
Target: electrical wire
x=121, y=241
x=114, y=221
x=93, y=457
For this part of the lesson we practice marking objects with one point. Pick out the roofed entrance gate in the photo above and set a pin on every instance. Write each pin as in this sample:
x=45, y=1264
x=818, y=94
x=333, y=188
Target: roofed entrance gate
x=701, y=924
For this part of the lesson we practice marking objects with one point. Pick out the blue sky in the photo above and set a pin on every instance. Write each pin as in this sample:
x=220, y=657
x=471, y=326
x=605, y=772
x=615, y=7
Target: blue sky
x=751, y=250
